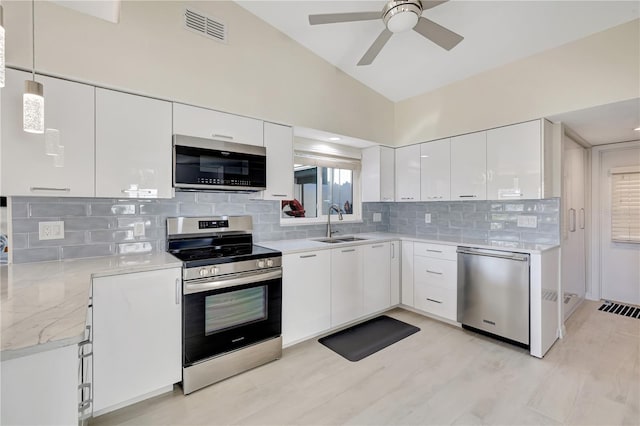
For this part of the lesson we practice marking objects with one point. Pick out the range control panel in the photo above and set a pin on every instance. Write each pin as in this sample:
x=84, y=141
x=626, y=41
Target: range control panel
x=212, y=224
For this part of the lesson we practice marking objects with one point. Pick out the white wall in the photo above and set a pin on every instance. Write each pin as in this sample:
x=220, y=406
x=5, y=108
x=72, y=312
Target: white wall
x=260, y=72
x=596, y=70
x=615, y=266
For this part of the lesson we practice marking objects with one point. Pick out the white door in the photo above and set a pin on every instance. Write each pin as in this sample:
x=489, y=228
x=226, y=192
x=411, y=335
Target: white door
x=377, y=277
x=619, y=262
x=469, y=167
x=573, y=226
x=346, y=285
x=435, y=170
x=408, y=173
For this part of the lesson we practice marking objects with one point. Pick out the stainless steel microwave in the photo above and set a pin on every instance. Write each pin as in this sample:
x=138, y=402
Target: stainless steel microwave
x=213, y=165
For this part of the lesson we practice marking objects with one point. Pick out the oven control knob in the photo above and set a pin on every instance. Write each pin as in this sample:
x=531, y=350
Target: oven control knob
x=260, y=263
x=203, y=272
x=269, y=263
x=214, y=270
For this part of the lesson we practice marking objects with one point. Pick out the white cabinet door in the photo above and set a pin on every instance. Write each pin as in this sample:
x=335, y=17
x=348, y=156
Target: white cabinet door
x=407, y=273
x=278, y=141
x=408, y=173
x=435, y=170
x=133, y=146
x=206, y=123
x=26, y=167
x=346, y=285
x=395, y=272
x=378, y=174
x=137, y=341
x=41, y=389
x=469, y=167
x=306, y=295
x=514, y=162
x=376, y=277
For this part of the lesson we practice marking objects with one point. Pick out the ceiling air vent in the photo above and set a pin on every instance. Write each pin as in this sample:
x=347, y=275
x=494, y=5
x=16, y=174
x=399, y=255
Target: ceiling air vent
x=205, y=25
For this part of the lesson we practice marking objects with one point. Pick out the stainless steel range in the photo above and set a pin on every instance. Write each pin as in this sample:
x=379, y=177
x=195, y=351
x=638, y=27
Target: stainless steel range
x=232, y=298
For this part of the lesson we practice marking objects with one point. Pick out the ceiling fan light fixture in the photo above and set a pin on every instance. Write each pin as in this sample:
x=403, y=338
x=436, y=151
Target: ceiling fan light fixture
x=401, y=16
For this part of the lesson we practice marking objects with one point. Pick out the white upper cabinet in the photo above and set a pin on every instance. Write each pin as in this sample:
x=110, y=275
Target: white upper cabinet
x=133, y=146
x=408, y=173
x=378, y=174
x=435, y=170
x=205, y=123
x=514, y=161
x=26, y=167
x=469, y=166
x=278, y=141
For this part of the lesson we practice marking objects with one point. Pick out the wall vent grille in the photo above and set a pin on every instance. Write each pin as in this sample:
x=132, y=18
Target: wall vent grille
x=205, y=25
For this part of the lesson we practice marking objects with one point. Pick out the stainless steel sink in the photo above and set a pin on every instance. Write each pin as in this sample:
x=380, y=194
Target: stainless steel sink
x=339, y=240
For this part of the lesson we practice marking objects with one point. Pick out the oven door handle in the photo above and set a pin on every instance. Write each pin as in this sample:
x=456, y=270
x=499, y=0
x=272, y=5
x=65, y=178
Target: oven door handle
x=215, y=284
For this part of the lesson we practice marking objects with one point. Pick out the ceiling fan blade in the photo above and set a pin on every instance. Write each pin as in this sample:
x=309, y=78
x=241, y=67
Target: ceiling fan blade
x=438, y=34
x=376, y=47
x=430, y=4
x=332, y=18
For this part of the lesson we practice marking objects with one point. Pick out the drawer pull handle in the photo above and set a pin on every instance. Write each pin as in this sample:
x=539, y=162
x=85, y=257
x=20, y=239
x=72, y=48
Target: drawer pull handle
x=467, y=196
x=218, y=135
x=44, y=188
x=434, y=272
x=434, y=251
x=378, y=246
x=306, y=256
x=348, y=250
x=279, y=195
x=434, y=301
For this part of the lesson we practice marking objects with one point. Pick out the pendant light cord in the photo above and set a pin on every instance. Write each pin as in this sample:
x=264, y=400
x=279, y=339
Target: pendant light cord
x=33, y=39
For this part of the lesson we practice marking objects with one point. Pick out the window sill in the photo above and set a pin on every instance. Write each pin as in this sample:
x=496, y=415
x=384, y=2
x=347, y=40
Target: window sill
x=309, y=221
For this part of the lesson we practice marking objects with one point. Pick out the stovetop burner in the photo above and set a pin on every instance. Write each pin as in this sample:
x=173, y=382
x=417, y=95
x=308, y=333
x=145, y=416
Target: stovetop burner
x=197, y=245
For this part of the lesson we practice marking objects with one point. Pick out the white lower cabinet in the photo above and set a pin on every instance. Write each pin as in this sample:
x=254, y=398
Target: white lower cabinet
x=41, y=389
x=435, y=286
x=407, y=273
x=430, y=278
x=306, y=295
x=376, y=273
x=137, y=342
x=347, y=302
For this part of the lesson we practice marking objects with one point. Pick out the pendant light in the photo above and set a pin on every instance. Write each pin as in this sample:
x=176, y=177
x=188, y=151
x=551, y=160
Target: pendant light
x=33, y=98
x=1, y=47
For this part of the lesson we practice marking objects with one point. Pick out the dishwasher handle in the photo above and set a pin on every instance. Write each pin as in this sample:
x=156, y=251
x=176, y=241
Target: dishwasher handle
x=510, y=256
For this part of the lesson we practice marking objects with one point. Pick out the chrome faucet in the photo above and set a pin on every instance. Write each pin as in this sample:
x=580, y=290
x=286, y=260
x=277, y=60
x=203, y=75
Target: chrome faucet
x=337, y=209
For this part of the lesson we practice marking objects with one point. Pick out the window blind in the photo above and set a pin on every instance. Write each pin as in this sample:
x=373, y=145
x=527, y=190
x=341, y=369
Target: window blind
x=625, y=205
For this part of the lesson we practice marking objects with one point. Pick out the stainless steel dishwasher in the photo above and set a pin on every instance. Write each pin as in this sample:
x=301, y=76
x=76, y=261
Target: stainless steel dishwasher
x=493, y=293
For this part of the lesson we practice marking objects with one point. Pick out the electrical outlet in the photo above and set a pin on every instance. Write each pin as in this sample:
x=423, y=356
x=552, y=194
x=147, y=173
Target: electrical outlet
x=377, y=217
x=427, y=218
x=138, y=229
x=527, y=221
x=51, y=230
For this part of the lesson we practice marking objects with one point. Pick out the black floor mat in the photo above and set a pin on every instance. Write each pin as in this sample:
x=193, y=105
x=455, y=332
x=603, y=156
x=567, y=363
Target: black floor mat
x=620, y=309
x=362, y=340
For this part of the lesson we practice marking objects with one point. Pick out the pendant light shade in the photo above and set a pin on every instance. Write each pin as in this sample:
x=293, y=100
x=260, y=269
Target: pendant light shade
x=33, y=107
x=33, y=98
x=1, y=47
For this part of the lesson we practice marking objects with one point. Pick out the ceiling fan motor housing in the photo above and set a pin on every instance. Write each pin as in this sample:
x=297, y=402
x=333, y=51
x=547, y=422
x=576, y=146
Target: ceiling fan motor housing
x=401, y=15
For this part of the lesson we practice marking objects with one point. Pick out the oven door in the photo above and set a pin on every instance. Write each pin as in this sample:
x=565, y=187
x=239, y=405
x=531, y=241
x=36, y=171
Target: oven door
x=209, y=164
x=222, y=314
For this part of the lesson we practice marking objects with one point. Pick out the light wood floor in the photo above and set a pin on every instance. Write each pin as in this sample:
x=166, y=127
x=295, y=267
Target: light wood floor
x=440, y=375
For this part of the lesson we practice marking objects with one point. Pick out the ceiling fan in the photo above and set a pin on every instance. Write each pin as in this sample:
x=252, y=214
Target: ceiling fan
x=398, y=16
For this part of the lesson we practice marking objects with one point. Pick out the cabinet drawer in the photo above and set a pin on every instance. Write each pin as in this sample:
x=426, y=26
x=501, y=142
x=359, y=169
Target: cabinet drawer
x=437, y=251
x=438, y=272
x=436, y=300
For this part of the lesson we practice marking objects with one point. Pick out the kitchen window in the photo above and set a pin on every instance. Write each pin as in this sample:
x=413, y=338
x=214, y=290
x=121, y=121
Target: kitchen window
x=321, y=181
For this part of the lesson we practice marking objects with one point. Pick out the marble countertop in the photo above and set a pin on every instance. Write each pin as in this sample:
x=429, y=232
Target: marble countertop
x=302, y=245
x=43, y=305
